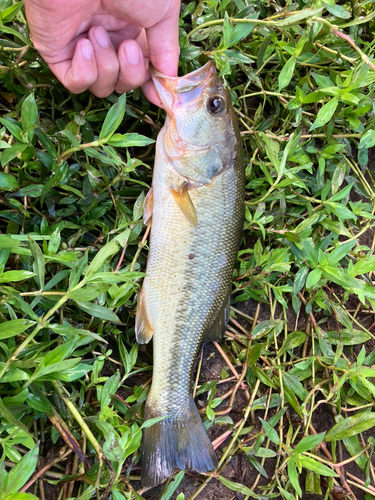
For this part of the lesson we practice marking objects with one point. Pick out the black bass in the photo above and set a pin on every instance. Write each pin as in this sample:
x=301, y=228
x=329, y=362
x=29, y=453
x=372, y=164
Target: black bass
x=196, y=205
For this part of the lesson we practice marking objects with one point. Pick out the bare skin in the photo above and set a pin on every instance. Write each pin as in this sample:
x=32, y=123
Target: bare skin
x=105, y=45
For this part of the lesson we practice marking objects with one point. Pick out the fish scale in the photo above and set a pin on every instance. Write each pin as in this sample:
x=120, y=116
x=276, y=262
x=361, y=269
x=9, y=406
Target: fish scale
x=189, y=271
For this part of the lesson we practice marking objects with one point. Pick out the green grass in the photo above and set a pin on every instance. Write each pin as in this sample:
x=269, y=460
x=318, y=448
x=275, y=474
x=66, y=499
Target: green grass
x=74, y=173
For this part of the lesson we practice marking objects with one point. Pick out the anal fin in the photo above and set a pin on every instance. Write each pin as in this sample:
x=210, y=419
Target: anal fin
x=217, y=329
x=143, y=327
x=182, y=198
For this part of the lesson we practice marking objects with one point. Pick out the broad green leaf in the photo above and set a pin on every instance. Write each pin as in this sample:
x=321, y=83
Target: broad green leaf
x=13, y=126
x=138, y=206
x=337, y=11
x=346, y=337
x=264, y=328
x=257, y=466
x=8, y=416
x=367, y=139
x=98, y=311
x=340, y=252
x=13, y=375
x=117, y=495
x=109, y=389
x=152, y=421
x=241, y=488
x=343, y=317
x=21, y=496
x=77, y=270
x=113, y=119
x=310, y=253
x=14, y=327
x=22, y=471
x=6, y=157
x=104, y=253
x=39, y=264
x=294, y=476
x=286, y=494
x=339, y=277
x=351, y=426
x=265, y=452
x=286, y=73
x=323, y=81
x=129, y=140
x=29, y=114
x=241, y=31
x=342, y=194
x=88, y=293
x=272, y=150
x=7, y=181
x=299, y=16
x=309, y=442
x=59, y=353
x=8, y=14
x=263, y=377
x=353, y=446
x=315, y=466
x=300, y=279
x=294, y=385
x=262, y=50
x=313, y=278
x=325, y=113
x=293, y=340
x=254, y=353
x=363, y=266
x=340, y=210
x=69, y=330
x=10, y=276
x=172, y=486
x=270, y=432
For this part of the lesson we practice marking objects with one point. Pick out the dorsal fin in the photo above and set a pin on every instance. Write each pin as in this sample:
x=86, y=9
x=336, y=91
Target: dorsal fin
x=143, y=327
x=182, y=198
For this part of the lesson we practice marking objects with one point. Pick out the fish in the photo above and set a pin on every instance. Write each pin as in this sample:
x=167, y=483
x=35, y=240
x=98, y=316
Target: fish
x=196, y=209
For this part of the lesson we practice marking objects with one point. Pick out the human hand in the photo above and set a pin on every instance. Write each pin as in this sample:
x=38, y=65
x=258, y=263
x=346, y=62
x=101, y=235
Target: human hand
x=104, y=45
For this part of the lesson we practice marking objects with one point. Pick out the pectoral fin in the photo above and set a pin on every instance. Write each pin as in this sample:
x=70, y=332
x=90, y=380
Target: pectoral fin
x=148, y=206
x=182, y=198
x=143, y=328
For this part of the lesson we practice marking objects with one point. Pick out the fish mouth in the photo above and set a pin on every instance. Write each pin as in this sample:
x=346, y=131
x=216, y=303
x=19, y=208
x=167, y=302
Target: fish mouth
x=182, y=90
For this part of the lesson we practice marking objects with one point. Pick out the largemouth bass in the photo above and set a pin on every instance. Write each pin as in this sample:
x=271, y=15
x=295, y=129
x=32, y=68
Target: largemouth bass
x=196, y=205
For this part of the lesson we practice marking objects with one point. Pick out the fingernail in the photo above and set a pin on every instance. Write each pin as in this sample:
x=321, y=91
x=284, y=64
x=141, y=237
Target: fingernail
x=87, y=50
x=102, y=37
x=132, y=53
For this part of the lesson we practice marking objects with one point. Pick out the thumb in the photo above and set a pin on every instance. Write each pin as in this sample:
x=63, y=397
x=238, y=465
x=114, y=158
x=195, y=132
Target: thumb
x=163, y=44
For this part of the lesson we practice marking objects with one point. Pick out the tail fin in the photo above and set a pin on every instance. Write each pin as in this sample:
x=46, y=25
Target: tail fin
x=180, y=441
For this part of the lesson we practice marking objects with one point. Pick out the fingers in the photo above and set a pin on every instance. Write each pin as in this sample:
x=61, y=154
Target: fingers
x=148, y=88
x=132, y=66
x=80, y=72
x=163, y=42
x=106, y=62
x=94, y=65
x=164, y=50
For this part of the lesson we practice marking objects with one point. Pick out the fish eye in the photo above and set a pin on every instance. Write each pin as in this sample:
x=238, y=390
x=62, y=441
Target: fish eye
x=215, y=105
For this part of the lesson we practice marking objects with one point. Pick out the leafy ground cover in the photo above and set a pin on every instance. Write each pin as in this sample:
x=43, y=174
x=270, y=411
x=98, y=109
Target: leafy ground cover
x=288, y=396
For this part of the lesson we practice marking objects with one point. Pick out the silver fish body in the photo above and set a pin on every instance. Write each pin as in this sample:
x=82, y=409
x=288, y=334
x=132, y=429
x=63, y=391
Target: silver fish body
x=196, y=207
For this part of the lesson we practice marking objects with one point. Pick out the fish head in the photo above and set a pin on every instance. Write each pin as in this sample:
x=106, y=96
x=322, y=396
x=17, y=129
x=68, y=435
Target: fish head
x=199, y=135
